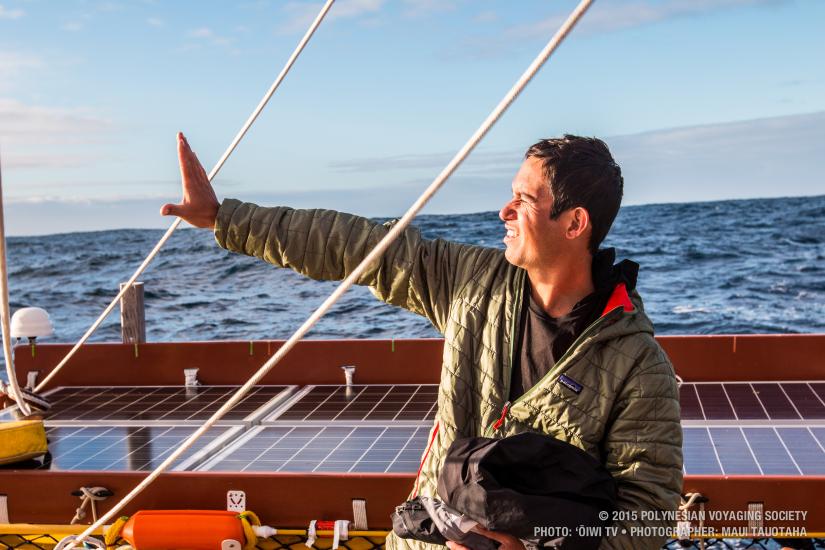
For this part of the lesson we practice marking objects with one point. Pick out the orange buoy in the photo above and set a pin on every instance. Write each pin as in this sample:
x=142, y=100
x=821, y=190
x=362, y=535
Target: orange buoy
x=184, y=530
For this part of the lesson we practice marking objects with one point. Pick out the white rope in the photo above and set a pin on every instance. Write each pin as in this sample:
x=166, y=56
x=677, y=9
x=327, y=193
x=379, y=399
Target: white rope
x=212, y=174
x=363, y=266
x=5, y=314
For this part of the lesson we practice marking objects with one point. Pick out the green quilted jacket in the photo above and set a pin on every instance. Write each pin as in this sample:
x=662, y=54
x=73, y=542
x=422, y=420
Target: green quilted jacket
x=626, y=410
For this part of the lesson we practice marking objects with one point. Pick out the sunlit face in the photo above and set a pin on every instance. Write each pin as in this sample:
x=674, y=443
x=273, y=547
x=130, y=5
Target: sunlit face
x=532, y=238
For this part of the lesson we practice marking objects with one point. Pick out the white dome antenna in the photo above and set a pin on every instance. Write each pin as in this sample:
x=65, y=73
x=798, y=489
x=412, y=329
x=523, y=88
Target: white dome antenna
x=31, y=322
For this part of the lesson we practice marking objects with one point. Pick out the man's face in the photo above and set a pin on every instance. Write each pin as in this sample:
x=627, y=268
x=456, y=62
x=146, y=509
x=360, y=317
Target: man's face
x=532, y=238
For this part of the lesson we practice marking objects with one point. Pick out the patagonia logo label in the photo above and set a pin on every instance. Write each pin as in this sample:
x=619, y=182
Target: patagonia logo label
x=570, y=384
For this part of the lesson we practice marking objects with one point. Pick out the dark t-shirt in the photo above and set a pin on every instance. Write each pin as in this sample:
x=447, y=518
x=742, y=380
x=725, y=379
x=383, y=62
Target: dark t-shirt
x=543, y=340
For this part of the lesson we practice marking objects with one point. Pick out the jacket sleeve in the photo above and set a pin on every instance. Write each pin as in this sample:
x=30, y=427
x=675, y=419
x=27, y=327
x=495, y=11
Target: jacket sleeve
x=416, y=274
x=644, y=454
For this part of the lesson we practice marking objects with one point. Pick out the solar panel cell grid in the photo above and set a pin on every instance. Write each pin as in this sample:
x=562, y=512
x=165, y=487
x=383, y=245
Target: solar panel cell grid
x=715, y=402
x=745, y=402
x=380, y=403
x=325, y=449
x=806, y=402
x=699, y=453
x=776, y=403
x=733, y=451
x=151, y=404
x=770, y=452
x=691, y=410
x=114, y=448
x=807, y=452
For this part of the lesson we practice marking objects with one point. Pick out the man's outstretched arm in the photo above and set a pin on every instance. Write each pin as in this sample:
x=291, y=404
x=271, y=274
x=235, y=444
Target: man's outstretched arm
x=416, y=274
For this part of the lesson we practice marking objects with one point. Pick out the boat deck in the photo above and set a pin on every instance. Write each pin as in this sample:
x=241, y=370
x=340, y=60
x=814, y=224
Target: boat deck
x=753, y=413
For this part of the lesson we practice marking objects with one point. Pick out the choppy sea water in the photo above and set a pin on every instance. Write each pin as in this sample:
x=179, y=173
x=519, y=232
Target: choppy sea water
x=748, y=266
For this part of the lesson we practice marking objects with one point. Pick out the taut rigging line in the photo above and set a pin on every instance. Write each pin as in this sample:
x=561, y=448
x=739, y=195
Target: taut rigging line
x=376, y=252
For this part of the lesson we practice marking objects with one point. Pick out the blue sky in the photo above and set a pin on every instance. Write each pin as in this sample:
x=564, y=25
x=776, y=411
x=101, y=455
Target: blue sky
x=698, y=99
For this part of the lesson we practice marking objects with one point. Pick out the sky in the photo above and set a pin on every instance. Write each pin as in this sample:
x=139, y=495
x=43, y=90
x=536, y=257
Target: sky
x=698, y=100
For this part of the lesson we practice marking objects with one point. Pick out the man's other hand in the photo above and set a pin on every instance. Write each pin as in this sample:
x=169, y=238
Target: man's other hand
x=506, y=542
x=199, y=205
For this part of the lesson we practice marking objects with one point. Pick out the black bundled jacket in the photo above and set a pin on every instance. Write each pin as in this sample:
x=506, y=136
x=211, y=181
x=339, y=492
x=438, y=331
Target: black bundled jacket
x=530, y=485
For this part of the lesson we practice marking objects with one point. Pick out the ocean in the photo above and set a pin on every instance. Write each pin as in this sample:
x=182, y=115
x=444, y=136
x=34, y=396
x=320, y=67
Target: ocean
x=739, y=266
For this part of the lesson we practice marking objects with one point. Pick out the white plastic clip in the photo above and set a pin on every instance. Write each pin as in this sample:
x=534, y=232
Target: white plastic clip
x=191, y=378
x=349, y=372
x=31, y=379
x=311, y=534
x=340, y=532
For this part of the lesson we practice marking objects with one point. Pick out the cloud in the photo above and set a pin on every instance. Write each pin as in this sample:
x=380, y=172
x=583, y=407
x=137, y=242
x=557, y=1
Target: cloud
x=487, y=16
x=37, y=137
x=203, y=32
x=12, y=65
x=421, y=8
x=155, y=22
x=299, y=15
x=612, y=16
x=22, y=122
x=12, y=62
x=207, y=34
x=72, y=26
x=767, y=157
x=10, y=13
x=478, y=161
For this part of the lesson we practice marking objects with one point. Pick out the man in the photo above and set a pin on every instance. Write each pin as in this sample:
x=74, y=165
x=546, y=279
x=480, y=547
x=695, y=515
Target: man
x=547, y=336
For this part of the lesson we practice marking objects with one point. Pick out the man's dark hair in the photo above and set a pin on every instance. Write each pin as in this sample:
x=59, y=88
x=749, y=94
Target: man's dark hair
x=581, y=172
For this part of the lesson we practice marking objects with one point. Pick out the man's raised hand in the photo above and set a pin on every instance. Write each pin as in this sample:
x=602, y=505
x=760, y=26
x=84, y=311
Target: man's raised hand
x=199, y=205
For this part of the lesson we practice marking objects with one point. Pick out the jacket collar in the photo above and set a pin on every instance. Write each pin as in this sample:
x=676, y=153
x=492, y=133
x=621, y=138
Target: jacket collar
x=618, y=298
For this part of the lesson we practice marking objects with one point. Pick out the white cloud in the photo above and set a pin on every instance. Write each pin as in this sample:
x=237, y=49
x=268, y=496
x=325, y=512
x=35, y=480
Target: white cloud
x=155, y=22
x=488, y=16
x=6, y=13
x=614, y=16
x=299, y=15
x=23, y=125
x=768, y=157
x=72, y=26
x=203, y=32
x=207, y=34
x=13, y=64
x=421, y=8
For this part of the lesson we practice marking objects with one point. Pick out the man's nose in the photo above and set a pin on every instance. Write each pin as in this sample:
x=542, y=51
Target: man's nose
x=507, y=213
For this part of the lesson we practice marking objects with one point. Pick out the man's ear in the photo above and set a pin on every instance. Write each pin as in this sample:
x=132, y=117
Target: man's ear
x=578, y=222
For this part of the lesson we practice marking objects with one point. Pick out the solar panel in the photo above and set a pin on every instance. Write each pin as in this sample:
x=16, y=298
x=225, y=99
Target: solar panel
x=150, y=404
x=757, y=402
x=125, y=448
x=407, y=404
x=339, y=448
x=757, y=450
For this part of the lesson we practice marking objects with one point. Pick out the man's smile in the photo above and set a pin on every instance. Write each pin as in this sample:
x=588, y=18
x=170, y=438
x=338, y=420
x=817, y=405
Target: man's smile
x=510, y=234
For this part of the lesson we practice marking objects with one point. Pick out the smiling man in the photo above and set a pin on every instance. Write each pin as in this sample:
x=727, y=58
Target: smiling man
x=546, y=336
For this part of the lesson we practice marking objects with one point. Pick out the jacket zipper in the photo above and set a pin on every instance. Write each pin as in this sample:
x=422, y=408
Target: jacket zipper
x=500, y=422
